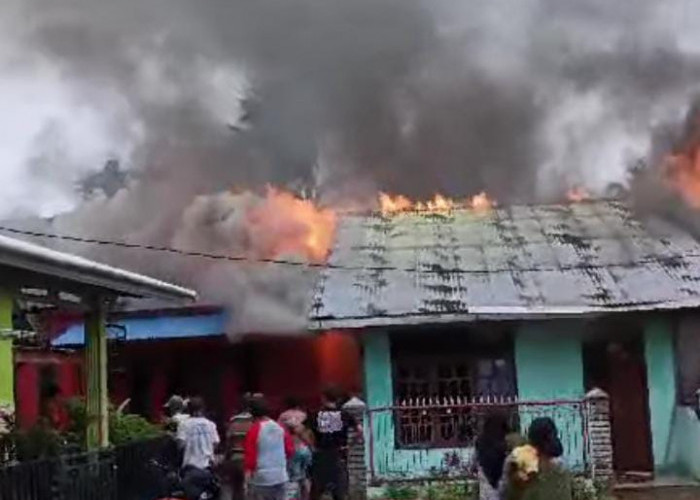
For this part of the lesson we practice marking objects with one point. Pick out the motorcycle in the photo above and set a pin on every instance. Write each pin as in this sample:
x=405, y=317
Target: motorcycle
x=190, y=484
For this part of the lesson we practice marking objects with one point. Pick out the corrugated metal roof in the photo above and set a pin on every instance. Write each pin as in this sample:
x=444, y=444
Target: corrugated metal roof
x=36, y=258
x=517, y=261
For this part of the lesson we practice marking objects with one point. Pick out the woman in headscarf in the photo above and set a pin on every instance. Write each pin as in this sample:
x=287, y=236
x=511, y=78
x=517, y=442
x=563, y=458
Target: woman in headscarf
x=491, y=451
x=535, y=471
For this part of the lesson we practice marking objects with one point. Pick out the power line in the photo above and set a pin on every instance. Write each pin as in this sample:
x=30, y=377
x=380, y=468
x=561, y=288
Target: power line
x=429, y=268
x=157, y=248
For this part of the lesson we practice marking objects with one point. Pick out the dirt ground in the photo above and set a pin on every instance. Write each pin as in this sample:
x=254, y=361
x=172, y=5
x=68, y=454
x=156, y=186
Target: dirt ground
x=660, y=494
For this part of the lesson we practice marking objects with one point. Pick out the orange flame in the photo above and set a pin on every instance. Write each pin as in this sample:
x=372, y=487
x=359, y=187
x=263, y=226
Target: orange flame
x=481, y=202
x=578, y=194
x=683, y=175
x=296, y=225
x=389, y=204
x=392, y=204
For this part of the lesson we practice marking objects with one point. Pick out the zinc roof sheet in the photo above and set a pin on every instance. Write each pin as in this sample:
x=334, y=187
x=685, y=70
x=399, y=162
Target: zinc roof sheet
x=520, y=261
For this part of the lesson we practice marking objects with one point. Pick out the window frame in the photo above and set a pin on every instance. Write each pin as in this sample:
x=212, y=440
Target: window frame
x=461, y=348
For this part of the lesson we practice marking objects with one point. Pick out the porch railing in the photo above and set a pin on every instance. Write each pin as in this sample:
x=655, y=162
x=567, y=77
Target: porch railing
x=435, y=437
x=122, y=472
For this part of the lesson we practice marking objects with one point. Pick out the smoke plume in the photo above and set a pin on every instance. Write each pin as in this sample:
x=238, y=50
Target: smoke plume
x=521, y=99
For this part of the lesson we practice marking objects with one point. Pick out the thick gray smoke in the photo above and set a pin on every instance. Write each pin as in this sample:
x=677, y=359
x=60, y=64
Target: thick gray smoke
x=520, y=98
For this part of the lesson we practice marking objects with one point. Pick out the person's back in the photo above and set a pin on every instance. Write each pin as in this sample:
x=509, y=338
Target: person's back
x=266, y=450
x=267, y=444
x=238, y=427
x=199, y=438
x=330, y=427
x=553, y=482
x=549, y=479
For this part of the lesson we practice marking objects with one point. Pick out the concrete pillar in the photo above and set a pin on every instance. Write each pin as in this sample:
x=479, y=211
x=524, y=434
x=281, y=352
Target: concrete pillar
x=600, y=450
x=97, y=401
x=357, y=468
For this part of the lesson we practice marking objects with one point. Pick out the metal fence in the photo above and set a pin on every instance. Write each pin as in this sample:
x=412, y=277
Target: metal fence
x=119, y=473
x=431, y=438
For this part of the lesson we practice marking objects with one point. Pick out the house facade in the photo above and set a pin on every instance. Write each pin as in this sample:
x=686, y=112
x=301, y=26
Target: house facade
x=157, y=353
x=520, y=311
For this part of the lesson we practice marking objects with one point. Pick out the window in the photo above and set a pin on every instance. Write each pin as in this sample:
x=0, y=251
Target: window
x=435, y=378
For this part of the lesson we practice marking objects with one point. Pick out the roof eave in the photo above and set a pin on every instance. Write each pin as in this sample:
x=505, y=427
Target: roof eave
x=37, y=259
x=493, y=314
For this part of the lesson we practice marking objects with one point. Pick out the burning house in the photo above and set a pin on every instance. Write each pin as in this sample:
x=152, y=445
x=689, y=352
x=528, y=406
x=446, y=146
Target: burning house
x=159, y=352
x=524, y=310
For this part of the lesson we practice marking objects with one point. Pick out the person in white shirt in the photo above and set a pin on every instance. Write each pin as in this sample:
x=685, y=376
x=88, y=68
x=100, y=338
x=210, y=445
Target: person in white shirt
x=199, y=438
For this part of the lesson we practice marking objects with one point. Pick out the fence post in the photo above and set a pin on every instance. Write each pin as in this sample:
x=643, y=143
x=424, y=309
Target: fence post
x=599, y=434
x=357, y=469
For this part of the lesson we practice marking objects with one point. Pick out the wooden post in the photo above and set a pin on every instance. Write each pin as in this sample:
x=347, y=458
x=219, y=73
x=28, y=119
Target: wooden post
x=97, y=402
x=7, y=369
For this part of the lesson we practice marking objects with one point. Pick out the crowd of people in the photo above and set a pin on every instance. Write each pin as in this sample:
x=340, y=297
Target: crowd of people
x=302, y=455
x=298, y=456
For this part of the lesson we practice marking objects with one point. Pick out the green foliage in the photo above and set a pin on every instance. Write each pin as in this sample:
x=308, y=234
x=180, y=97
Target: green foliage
x=400, y=492
x=38, y=442
x=125, y=428
x=453, y=490
x=588, y=489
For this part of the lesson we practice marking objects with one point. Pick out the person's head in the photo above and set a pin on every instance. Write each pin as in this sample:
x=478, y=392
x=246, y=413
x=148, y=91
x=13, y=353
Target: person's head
x=331, y=396
x=292, y=403
x=495, y=426
x=175, y=405
x=259, y=408
x=247, y=399
x=544, y=436
x=196, y=406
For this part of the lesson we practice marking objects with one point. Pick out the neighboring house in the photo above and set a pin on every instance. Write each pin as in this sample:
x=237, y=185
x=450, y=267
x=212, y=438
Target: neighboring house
x=156, y=353
x=520, y=310
x=45, y=278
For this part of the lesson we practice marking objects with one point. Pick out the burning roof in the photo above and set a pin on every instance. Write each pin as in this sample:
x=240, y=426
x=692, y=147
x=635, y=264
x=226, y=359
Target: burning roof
x=520, y=261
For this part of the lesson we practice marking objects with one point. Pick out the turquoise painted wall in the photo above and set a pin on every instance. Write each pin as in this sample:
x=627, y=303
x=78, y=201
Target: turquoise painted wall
x=661, y=380
x=390, y=462
x=685, y=442
x=549, y=366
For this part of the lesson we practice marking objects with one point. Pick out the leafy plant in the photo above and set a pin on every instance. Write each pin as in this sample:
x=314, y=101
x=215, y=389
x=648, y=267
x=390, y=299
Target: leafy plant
x=38, y=442
x=400, y=492
x=458, y=490
x=125, y=428
x=588, y=489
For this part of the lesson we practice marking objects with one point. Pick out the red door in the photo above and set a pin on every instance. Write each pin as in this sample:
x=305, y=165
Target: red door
x=629, y=407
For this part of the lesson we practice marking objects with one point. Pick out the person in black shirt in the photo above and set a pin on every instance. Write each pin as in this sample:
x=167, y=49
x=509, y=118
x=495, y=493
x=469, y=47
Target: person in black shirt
x=330, y=427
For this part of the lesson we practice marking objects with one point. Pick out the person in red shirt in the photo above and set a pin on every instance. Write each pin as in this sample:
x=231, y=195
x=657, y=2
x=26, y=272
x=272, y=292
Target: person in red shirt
x=266, y=450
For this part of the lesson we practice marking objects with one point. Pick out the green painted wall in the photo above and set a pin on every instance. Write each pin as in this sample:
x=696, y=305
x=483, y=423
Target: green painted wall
x=6, y=363
x=549, y=366
x=685, y=442
x=390, y=462
x=661, y=380
x=549, y=361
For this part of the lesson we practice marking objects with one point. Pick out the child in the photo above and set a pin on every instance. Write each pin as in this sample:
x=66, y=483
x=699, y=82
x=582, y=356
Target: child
x=299, y=485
